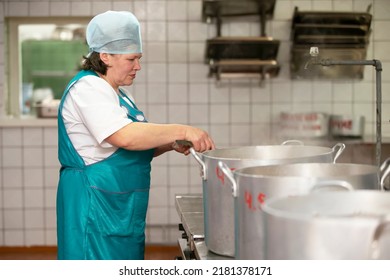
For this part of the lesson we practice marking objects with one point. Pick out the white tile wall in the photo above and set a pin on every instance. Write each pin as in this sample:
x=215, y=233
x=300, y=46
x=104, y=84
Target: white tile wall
x=60, y=8
x=39, y=9
x=80, y=8
x=28, y=156
x=177, y=10
x=173, y=87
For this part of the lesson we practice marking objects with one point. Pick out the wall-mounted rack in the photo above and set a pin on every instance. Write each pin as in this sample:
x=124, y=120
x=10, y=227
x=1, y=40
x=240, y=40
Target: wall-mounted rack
x=339, y=35
x=240, y=56
x=222, y=9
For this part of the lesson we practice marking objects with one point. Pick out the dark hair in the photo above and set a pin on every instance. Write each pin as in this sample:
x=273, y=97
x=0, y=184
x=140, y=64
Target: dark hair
x=93, y=62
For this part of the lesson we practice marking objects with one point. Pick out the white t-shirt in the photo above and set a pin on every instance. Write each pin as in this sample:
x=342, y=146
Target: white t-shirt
x=91, y=113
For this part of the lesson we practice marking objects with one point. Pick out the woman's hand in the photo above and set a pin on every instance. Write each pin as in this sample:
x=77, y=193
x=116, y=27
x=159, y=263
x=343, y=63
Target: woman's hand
x=200, y=139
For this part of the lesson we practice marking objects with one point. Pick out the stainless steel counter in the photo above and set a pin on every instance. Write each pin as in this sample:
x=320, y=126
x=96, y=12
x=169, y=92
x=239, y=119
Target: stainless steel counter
x=193, y=245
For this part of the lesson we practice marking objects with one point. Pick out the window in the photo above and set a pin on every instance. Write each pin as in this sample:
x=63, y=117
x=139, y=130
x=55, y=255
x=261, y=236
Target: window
x=44, y=54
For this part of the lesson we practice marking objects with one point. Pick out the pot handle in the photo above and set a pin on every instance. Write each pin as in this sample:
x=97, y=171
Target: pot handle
x=342, y=184
x=203, y=169
x=229, y=174
x=384, y=172
x=297, y=142
x=379, y=230
x=337, y=150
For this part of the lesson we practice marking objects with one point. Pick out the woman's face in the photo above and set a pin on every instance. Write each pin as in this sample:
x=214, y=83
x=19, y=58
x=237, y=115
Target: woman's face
x=122, y=68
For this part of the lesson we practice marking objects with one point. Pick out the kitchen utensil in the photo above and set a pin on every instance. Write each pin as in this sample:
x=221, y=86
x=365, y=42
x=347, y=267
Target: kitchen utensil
x=328, y=226
x=252, y=186
x=217, y=196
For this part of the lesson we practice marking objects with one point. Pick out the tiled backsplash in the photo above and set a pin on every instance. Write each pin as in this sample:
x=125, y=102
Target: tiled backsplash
x=29, y=176
x=173, y=87
x=28, y=182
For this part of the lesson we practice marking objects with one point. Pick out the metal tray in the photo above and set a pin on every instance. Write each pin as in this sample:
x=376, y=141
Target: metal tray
x=331, y=39
x=187, y=203
x=330, y=30
x=233, y=8
x=263, y=48
x=244, y=69
x=325, y=17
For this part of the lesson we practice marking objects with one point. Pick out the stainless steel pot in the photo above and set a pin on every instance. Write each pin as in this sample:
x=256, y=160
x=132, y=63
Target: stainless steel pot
x=217, y=196
x=252, y=186
x=328, y=225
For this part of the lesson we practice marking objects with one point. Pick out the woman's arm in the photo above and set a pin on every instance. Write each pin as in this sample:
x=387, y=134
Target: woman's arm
x=143, y=136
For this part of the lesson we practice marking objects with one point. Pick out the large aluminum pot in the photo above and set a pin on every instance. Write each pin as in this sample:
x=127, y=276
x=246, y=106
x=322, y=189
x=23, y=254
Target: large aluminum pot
x=328, y=225
x=252, y=186
x=217, y=196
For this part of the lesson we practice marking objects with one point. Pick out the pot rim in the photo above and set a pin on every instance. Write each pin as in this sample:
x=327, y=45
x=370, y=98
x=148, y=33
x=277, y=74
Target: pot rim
x=348, y=217
x=322, y=151
x=371, y=170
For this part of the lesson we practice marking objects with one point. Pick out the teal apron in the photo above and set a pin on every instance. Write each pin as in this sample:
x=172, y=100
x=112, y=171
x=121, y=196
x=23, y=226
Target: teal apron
x=101, y=208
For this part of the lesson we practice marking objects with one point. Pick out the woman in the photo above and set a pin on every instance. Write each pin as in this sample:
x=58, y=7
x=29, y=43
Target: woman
x=106, y=146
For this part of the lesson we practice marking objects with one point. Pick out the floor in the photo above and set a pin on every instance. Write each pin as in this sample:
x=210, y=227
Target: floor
x=152, y=252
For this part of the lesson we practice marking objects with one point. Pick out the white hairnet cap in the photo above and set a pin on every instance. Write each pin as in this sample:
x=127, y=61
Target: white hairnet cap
x=115, y=33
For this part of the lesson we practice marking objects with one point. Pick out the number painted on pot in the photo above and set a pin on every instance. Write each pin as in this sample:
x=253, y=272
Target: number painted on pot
x=254, y=204
x=221, y=175
x=248, y=200
x=260, y=198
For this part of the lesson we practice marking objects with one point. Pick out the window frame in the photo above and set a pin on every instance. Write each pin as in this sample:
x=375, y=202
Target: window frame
x=13, y=61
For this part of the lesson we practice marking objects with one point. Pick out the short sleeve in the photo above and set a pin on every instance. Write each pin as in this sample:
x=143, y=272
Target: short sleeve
x=97, y=104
